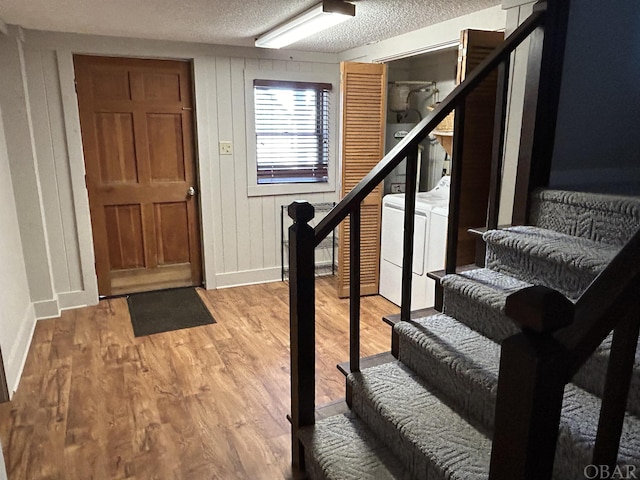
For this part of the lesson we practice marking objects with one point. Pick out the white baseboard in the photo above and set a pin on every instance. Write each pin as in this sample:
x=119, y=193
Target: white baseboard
x=46, y=309
x=248, y=277
x=14, y=362
x=252, y=277
x=79, y=298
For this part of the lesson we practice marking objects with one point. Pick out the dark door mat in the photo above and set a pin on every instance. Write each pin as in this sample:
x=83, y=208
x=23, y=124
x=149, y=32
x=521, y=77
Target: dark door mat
x=167, y=310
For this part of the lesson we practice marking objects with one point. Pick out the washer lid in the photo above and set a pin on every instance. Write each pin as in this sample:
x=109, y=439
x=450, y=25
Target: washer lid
x=425, y=201
x=442, y=211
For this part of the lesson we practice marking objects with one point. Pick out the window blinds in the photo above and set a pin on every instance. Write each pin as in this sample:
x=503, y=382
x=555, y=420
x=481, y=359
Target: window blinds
x=292, y=131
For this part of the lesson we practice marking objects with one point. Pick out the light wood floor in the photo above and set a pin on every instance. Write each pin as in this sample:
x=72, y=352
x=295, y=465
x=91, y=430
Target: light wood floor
x=202, y=403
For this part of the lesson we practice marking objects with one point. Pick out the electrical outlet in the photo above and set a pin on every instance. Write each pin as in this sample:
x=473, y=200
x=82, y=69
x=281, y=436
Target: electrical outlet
x=226, y=148
x=397, y=188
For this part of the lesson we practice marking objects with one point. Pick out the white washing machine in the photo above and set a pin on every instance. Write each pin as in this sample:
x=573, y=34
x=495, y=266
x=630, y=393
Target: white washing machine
x=429, y=244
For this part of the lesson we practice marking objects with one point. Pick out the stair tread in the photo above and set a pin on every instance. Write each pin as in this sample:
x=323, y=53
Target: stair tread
x=438, y=443
x=490, y=281
x=341, y=447
x=540, y=242
x=477, y=299
x=545, y=257
x=463, y=365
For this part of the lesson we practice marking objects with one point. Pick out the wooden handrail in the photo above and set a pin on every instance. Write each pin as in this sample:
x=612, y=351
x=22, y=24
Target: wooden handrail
x=581, y=328
x=602, y=300
x=420, y=131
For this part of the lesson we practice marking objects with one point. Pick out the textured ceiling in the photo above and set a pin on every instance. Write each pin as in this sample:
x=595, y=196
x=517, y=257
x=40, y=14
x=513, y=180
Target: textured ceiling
x=230, y=22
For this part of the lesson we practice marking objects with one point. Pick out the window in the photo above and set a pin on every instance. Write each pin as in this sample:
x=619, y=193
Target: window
x=291, y=131
x=291, y=119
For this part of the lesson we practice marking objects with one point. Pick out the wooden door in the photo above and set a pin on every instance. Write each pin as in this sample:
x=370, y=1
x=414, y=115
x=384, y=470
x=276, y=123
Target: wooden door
x=137, y=133
x=363, y=100
x=475, y=46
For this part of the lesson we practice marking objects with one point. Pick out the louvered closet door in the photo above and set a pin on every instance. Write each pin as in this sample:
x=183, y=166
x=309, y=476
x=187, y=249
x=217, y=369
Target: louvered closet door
x=363, y=95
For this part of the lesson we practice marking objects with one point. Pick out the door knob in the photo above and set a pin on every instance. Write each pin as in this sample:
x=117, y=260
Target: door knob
x=191, y=191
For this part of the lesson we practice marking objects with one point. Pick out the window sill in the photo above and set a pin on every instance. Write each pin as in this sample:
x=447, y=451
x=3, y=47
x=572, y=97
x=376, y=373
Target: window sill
x=289, y=189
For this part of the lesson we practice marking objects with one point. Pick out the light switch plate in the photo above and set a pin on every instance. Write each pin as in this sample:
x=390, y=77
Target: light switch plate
x=226, y=148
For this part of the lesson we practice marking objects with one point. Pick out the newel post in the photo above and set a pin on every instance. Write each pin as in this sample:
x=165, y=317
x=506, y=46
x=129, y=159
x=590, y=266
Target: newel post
x=302, y=324
x=533, y=374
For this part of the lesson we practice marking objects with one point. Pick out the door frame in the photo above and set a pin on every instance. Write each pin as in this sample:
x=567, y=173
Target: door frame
x=204, y=175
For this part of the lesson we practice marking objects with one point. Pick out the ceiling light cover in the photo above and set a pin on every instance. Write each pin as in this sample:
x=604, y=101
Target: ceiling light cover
x=320, y=17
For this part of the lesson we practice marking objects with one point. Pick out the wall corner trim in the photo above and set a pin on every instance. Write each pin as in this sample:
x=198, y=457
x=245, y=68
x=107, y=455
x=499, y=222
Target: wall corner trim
x=17, y=357
x=16, y=31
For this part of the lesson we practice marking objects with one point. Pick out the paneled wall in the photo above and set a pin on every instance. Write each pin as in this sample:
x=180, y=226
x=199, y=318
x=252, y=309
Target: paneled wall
x=247, y=242
x=17, y=316
x=241, y=235
x=18, y=129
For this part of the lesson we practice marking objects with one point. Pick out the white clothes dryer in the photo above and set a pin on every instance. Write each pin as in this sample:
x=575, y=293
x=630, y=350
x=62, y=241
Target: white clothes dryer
x=429, y=244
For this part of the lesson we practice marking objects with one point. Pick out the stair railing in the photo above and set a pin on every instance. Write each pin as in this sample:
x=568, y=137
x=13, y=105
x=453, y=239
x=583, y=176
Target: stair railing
x=557, y=338
x=303, y=238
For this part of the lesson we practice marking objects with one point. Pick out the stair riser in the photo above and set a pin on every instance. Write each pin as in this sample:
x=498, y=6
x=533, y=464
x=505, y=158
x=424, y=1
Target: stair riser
x=430, y=440
x=474, y=399
x=489, y=320
x=600, y=218
x=343, y=448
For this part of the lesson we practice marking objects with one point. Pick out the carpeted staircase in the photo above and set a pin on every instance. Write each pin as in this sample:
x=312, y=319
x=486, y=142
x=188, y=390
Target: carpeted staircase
x=430, y=414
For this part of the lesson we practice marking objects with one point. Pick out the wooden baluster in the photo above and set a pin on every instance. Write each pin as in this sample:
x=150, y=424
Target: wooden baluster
x=499, y=127
x=616, y=390
x=451, y=259
x=302, y=324
x=354, y=289
x=409, y=224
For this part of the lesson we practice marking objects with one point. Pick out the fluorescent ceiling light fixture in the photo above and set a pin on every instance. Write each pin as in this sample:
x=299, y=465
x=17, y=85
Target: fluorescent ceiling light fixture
x=322, y=16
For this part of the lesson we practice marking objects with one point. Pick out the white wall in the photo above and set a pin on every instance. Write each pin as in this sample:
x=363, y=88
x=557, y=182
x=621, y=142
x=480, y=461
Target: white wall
x=440, y=67
x=17, y=317
x=241, y=234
